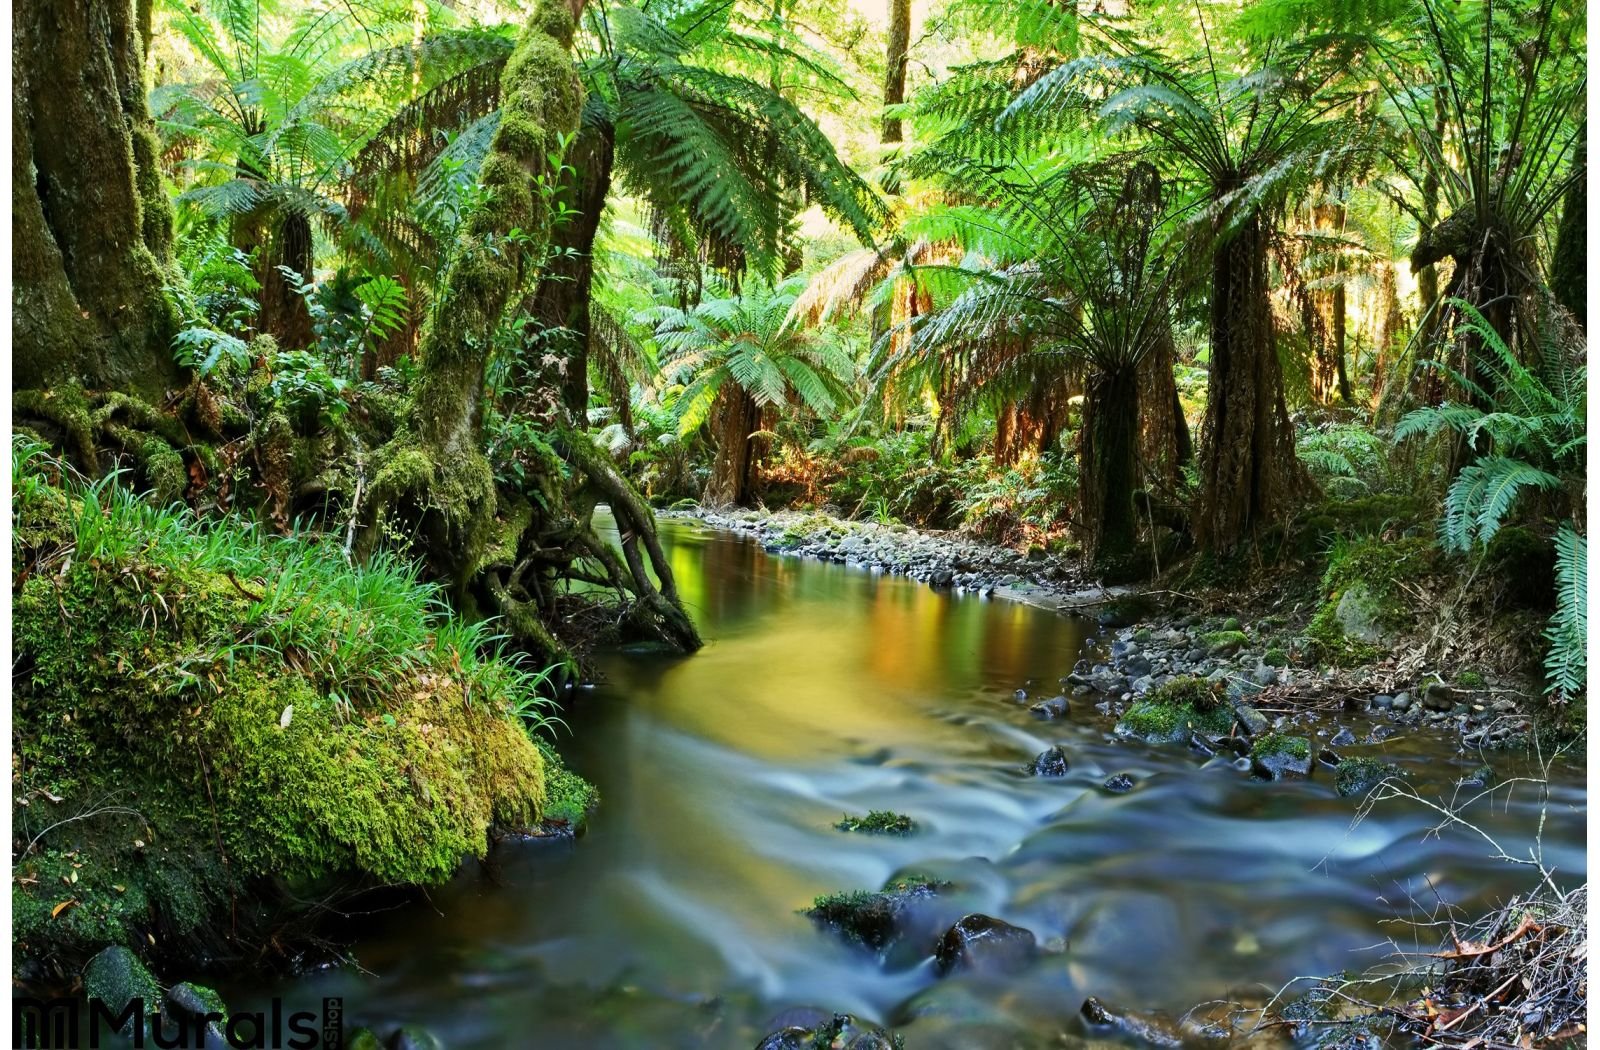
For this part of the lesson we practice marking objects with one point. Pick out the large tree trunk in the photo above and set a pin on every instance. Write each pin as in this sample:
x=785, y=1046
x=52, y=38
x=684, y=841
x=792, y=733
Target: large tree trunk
x=734, y=417
x=1250, y=476
x=894, y=77
x=1339, y=327
x=440, y=467
x=284, y=314
x=1164, y=445
x=560, y=303
x=91, y=224
x=1108, y=471
x=1569, y=269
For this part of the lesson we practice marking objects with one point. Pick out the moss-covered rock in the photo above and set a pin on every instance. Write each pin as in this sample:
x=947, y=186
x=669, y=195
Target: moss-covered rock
x=1278, y=756
x=1170, y=713
x=216, y=731
x=1367, y=602
x=1217, y=642
x=873, y=920
x=879, y=822
x=1357, y=776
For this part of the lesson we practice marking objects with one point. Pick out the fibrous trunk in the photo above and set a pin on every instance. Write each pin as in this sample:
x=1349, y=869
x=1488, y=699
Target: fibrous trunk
x=1567, y=272
x=1108, y=469
x=91, y=224
x=1164, y=445
x=1249, y=474
x=734, y=418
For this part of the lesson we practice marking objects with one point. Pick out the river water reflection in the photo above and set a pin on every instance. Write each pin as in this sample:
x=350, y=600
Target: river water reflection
x=826, y=690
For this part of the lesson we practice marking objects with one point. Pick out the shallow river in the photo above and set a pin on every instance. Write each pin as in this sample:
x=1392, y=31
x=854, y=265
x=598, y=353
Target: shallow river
x=826, y=690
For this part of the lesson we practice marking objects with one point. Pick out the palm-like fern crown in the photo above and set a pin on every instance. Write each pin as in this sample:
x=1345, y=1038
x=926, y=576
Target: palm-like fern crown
x=291, y=111
x=749, y=340
x=1488, y=99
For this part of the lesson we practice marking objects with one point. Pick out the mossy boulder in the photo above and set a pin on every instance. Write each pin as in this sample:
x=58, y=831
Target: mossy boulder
x=1279, y=756
x=1367, y=604
x=115, y=977
x=873, y=920
x=222, y=759
x=1172, y=712
x=1224, y=642
x=1357, y=776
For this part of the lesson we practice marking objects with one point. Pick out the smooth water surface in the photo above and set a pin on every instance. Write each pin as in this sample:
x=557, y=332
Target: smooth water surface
x=826, y=690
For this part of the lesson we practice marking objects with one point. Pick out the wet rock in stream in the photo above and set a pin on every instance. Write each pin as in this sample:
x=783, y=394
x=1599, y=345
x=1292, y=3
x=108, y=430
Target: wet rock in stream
x=1051, y=762
x=1152, y=1029
x=1118, y=784
x=874, y=920
x=983, y=944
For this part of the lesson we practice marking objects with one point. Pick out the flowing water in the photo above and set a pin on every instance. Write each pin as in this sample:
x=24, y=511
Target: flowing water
x=826, y=690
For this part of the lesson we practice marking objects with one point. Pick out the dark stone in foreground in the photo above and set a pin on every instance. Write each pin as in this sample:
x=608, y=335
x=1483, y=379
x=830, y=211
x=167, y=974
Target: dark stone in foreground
x=1050, y=763
x=1118, y=784
x=411, y=1037
x=116, y=978
x=1152, y=1029
x=985, y=945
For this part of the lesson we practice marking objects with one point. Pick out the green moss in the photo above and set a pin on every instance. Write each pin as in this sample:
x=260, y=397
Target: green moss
x=872, y=919
x=1169, y=713
x=568, y=798
x=1357, y=776
x=207, y=753
x=1224, y=641
x=1470, y=679
x=1270, y=744
x=1275, y=657
x=879, y=822
x=1381, y=568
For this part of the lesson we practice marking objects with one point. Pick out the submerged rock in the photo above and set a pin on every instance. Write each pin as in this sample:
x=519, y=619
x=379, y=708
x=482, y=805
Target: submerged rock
x=1151, y=1029
x=1357, y=776
x=1118, y=784
x=1055, y=707
x=1049, y=763
x=414, y=1037
x=986, y=945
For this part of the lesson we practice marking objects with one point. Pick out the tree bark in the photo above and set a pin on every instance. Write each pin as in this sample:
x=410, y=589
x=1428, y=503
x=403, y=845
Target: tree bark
x=735, y=417
x=90, y=220
x=1250, y=475
x=894, y=77
x=284, y=314
x=560, y=303
x=1108, y=471
x=1568, y=271
x=1164, y=445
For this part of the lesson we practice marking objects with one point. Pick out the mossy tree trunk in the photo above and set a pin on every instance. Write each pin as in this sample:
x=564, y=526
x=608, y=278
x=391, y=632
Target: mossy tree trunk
x=1250, y=476
x=509, y=548
x=91, y=224
x=1108, y=470
x=896, y=62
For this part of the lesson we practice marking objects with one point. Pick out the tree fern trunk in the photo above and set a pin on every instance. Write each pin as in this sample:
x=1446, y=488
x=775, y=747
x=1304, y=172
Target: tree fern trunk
x=734, y=418
x=1163, y=432
x=1108, y=470
x=1250, y=476
x=91, y=224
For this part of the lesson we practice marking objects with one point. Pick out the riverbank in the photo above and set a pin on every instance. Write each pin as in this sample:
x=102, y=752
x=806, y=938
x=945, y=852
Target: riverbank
x=1284, y=647
x=946, y=560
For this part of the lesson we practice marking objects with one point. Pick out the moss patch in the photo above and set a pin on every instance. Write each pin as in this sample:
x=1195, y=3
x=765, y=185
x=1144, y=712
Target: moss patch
x=1224, y=641
x=1379, y=569
x=196, y=732
x=1169, y=713
x=1357, y=776
x=879, y=822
